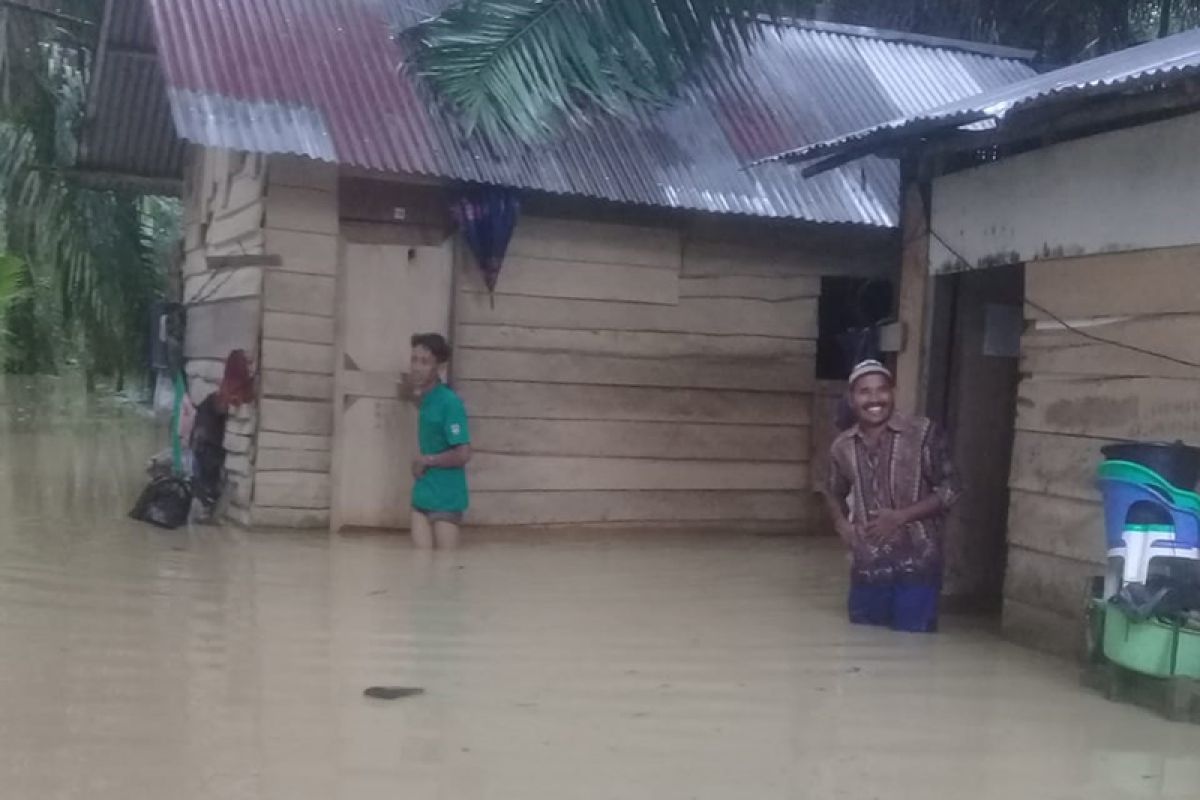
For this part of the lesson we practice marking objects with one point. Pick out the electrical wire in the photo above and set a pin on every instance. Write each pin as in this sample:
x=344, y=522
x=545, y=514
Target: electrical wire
x=1113, y=342
x=1072, y=328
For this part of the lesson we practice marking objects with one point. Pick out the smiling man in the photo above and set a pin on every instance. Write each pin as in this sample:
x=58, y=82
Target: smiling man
x=890, y=485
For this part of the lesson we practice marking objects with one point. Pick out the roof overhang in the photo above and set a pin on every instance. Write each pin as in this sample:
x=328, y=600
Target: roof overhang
x=1084, y=98
x=128, y=136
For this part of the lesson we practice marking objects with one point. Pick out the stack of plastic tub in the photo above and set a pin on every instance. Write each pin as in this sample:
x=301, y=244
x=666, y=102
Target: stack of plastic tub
x=1150, y=511
x=1137, y=539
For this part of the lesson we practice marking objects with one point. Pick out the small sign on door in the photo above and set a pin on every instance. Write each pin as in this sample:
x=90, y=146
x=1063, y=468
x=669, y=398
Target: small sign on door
x=1003, y=325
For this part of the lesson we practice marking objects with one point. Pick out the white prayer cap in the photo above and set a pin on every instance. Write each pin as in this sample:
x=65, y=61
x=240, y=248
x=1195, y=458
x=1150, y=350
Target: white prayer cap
x=870, y=367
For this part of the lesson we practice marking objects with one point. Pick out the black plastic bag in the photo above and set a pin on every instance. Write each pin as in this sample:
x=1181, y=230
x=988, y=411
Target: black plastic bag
x=1159, y=597
x=166, y=502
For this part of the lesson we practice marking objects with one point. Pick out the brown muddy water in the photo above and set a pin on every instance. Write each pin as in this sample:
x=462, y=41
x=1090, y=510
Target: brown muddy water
x=218, y=663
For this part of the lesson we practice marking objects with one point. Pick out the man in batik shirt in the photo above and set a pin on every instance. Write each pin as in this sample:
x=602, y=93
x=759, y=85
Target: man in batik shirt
x=890, y=485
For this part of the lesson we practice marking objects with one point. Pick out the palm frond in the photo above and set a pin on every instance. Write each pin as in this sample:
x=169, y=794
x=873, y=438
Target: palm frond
x=13, y=290
x=12, y=271
x=524, y=67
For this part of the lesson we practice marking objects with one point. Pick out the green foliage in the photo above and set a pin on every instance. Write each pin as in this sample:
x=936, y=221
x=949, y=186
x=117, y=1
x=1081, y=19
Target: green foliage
x=522, y=67
x=526, y=67
x=92, y=260
x=13, y=290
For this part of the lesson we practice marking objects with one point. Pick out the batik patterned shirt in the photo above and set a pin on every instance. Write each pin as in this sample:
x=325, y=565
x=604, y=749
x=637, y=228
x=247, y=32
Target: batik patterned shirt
x=906, y=464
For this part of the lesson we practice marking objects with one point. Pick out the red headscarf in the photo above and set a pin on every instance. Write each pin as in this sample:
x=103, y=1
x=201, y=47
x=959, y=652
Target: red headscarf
x=237, y=385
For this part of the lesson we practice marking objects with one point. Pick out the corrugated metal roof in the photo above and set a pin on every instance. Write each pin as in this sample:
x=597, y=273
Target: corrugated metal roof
x=1171, y=58
x=128, y=138
x=129, y=129
x=319, y=78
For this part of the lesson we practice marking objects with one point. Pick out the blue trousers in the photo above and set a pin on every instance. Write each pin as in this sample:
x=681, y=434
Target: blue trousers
x=902, y=607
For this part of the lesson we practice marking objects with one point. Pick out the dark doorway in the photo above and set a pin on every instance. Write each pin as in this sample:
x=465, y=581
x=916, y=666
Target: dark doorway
x=975, y=370
x=848, y=305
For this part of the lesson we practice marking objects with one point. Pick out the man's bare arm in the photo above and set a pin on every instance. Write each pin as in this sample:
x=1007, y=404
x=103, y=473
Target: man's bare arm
x=450, y=459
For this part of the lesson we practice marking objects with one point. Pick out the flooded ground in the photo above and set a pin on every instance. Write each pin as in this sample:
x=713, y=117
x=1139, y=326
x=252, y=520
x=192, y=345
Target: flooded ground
x=223, y=664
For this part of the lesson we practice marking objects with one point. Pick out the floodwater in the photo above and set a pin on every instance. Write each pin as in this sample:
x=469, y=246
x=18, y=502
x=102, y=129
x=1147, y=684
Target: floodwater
x=217, y=663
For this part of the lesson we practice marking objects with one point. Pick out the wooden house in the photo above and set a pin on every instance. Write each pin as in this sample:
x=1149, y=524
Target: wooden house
x=648, y=357
x=1051, y=295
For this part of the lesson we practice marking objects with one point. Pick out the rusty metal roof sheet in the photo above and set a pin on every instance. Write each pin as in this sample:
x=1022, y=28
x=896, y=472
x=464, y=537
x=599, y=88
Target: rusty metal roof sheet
x=1159, y=61
x=320, y=78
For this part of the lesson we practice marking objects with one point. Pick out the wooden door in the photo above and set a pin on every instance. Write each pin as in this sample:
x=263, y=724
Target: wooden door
x=983, y=374
x=388, y=293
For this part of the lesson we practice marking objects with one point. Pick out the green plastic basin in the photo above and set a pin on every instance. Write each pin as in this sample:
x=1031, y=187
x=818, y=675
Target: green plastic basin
x=1147, y=647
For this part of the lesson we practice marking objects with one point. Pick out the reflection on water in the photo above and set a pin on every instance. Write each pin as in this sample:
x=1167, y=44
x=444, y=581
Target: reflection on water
x=216, y=663
x=67, y=455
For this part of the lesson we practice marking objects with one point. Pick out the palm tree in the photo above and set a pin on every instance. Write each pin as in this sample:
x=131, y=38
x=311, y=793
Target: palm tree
x=90, y=269
x=526, y=67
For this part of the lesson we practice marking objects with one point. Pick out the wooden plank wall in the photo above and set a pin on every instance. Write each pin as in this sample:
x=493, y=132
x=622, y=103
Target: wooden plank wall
x=279, y=310
x=623, y=377
x=1078, y=394
x=223, y=213
x=827, y=395
x=300, y=227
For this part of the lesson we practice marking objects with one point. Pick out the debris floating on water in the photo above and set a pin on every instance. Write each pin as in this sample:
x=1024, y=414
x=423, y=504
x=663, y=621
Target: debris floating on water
x=392, y=692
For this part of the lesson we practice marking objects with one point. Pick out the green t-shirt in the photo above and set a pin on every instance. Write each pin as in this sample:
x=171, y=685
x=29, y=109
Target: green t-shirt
x=442, y=425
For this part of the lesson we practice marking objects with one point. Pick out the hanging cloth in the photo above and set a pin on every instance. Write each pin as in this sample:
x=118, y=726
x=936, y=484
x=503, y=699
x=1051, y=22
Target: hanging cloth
x=487, y=218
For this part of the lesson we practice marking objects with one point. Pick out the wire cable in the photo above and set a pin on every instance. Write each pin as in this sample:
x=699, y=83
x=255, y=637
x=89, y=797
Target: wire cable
x=1072, y=328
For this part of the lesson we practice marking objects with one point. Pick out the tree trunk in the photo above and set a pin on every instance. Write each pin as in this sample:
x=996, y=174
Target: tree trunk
x=1116, y=33
x=1164, y=18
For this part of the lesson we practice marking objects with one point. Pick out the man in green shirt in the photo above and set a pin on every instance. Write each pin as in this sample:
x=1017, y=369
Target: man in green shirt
x=439, y=496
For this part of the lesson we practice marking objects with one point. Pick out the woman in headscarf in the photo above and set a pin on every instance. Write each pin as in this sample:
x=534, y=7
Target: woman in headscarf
x=208, y=432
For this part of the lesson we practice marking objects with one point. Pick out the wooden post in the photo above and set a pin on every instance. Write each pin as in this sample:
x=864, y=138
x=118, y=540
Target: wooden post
x=913, y=302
